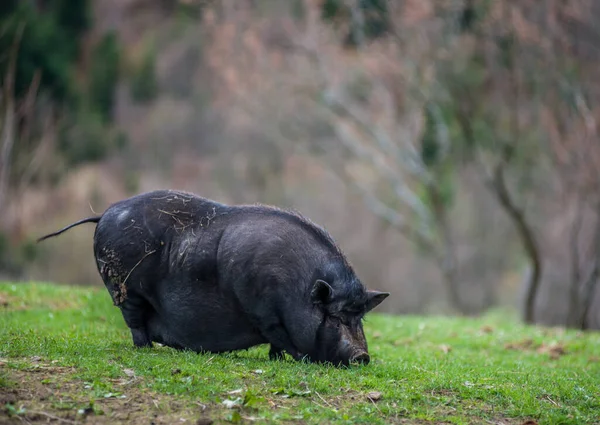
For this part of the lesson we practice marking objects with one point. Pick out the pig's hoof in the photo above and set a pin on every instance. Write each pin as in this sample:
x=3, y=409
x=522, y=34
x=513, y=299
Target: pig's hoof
x=140, y=338
x=276, y=353
x=147, y=344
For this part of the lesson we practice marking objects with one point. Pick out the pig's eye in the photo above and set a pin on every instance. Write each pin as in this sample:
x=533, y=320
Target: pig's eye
x=340, y=320
x=336, y=321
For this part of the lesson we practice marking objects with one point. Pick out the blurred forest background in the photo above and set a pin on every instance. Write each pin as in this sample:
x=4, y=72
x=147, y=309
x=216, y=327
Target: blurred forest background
x=451, y=147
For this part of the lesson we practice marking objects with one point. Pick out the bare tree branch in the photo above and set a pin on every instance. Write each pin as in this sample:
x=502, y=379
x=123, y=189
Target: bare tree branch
x=358, y=19
x=401, y=189
x=8, y=130
x=407, y=157
x=418, y=233
x=42, y=151
x=384, y=212
x=27, y=107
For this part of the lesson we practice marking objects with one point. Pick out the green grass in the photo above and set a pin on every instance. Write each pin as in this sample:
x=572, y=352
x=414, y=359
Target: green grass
x=426, y=369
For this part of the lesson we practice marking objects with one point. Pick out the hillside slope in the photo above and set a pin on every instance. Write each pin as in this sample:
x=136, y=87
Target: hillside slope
x=66, y=357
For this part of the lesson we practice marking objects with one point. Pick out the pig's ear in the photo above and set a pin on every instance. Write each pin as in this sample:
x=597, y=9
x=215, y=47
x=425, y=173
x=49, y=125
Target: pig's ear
x=374, y=298
x=321, y=292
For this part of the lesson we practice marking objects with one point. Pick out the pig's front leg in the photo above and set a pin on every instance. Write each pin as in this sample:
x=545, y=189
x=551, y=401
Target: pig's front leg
x=276, y=353
x=280, y=341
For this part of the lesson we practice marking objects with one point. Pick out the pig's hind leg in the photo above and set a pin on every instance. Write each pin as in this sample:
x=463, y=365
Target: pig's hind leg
x=134, y=308
x=136, y=312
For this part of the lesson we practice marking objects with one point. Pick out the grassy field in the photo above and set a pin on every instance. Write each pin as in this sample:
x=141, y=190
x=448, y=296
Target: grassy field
x=67, y=357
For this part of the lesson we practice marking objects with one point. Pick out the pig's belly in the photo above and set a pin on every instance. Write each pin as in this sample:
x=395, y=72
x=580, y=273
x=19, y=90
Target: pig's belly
x=201, y=322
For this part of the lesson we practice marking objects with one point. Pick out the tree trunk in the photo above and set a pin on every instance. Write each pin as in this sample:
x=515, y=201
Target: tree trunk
x=589, y=286
x=588, y=300
x=574, y=299
x=527, y=238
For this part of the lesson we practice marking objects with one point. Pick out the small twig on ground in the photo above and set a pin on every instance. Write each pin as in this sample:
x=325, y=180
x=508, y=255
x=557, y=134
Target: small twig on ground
x=319, y=404
x=551, y=401
x=325, y=401
x=375, y=404
x=56, y=418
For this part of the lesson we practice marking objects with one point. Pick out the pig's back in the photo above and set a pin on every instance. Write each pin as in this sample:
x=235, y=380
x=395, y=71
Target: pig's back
x=148, y=238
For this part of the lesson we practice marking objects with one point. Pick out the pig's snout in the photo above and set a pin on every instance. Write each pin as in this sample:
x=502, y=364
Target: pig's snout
x=353, y=347
x=360, y=357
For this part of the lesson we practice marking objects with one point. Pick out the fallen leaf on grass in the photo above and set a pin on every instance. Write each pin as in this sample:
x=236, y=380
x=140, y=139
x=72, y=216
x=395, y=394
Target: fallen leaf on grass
x=445, y=348
x=287, y=393
x=554, y=350
x=486, y=329
x=230, y=404
x=129, y=372
x=249, y=400
x=374, y=396
x=520, y=345
x=114, y=395
x=252, y=400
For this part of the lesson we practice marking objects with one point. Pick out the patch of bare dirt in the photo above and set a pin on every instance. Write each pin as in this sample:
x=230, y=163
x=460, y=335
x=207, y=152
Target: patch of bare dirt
x=48, y=395
x=554, y=350
x=443, y=393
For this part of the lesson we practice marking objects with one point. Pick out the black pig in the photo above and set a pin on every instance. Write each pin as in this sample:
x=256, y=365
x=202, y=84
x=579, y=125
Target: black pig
x=191, y=273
